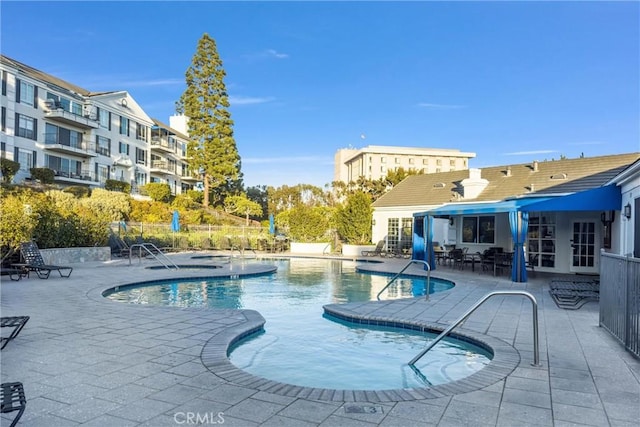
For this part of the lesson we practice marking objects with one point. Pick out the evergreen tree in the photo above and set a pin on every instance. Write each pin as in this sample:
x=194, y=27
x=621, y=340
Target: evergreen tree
x=211, y=149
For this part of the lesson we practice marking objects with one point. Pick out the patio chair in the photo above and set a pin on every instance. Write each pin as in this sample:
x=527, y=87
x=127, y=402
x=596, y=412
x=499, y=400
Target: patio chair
x=378, y=251
x=119, y=247
x=13, y=399
x=33, y=261
x=15, y=322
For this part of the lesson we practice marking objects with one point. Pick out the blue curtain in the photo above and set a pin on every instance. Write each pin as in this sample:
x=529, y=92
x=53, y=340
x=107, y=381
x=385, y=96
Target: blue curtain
x=418, y=238
x=519, y=223
x=431, y=255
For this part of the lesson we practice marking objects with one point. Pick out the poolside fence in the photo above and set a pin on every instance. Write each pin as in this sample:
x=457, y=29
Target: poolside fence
x=620, y=299
x=195, y=237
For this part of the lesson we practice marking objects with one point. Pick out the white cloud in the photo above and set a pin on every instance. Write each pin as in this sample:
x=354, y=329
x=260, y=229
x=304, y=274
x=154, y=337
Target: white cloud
x=440, y=106
x=266, y=54
x=274, y=54
x=249, y=100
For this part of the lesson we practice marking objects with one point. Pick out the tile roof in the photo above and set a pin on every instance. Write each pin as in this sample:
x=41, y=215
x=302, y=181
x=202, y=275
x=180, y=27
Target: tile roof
x=552, y=176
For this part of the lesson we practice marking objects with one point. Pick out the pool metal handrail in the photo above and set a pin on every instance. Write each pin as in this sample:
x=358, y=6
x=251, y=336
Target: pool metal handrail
x=393, y=279
x=536, y=352
x=146, y=246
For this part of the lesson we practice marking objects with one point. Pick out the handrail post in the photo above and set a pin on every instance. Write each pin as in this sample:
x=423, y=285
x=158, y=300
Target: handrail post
x=534, y=303
x=402, y=271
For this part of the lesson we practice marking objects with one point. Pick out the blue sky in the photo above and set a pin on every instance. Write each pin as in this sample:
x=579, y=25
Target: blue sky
x=510, y=81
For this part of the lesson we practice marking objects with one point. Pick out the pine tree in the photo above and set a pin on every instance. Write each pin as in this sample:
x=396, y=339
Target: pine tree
x=212, y=149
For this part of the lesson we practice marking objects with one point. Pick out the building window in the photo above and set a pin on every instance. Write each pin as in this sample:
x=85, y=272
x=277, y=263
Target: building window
x=27, y=126
x=141, y=178
x=141, y=157
x=383, y=160
x=123, y=148
x=478, y=229
x=397, y=160
x=425, y=162
x=4, y=119
x=25, y=158
x=124, y=126
x=411, y=161
x=452, y=163
x=141, y=132
x=464, y=162
x=383, y=169
x=26, y=93
x=104, y=117
x=102, y=173
x=4, y=83
x=438, y=162
x=59, y=135
x=63, y=167
x=103, y=145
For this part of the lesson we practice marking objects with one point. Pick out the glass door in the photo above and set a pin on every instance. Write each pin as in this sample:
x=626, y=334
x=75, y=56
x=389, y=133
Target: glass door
x=583, y=244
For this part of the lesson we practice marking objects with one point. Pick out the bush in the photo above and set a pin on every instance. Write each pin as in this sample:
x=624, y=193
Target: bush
x=9, y=169
x=195, y=195
x=78, y=191
x=159, y=192
x=44, y=175
x=309, y=224
x=353, y=220
x=120, y=186
x=114, y=204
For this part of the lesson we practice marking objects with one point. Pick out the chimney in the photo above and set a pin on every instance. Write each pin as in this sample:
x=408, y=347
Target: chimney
x=474, y=185
x=508, y=173
x=535, y=166
x=532, y=188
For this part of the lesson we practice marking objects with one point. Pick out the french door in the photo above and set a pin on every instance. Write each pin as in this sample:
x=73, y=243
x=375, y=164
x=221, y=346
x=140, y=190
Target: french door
x=583, y=245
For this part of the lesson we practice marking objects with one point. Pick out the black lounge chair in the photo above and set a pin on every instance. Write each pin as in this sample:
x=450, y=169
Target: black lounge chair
x=13, y=272
x=13, y=399
x=377, y=251
x=15, y=322
x=33, y=261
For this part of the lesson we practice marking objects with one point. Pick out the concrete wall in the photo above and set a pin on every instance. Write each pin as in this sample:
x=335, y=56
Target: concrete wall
x=66, y=256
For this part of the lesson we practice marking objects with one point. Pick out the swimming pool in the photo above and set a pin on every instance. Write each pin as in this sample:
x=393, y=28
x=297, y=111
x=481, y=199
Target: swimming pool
x=303, y=346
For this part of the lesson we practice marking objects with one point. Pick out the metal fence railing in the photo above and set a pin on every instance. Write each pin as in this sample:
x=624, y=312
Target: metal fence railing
x=620, y=299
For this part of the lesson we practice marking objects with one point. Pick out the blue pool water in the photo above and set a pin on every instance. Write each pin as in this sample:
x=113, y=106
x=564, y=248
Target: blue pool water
x=303, y=346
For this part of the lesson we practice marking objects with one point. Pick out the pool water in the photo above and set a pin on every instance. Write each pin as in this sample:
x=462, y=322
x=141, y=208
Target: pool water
x=301, y=345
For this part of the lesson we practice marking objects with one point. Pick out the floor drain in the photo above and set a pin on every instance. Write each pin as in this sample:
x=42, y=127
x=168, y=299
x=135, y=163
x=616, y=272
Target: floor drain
x=360, y=409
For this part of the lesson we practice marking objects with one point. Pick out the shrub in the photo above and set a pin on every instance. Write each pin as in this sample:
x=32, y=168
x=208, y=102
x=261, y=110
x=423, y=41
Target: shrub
x=17, y=220
x=115, y=185
x=159, y=192
x=114, y=204
x=78, y=191
x=9, y=169
x=353, y=220
x=44, y=175
x=195, y=195
x=309, y=224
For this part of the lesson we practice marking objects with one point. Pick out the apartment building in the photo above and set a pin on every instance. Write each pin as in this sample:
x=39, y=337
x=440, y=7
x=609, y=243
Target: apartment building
x=85, y=137
x=374, y=161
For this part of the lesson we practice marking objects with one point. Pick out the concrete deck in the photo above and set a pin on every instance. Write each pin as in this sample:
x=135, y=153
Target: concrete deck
x=85, y=360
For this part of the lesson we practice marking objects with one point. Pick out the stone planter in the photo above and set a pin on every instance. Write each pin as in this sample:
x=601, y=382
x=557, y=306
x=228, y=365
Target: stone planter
x=356, y=250
x=64, y=256
x=310, y=248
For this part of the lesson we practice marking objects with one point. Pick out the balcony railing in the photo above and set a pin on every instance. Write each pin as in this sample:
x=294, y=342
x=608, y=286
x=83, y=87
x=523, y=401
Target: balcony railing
x=163, y=144
x=63, y=116
x=80, y=148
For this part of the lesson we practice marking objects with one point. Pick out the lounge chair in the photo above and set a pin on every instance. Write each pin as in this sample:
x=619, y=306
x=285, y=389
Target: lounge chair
x=119, y=247
x=13, y=399
x=378, y=251
x=33, y=261
x=15, y=322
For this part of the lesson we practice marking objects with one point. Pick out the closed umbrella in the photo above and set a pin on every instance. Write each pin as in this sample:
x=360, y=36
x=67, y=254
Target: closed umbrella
x=272, y=225
x=175, y=226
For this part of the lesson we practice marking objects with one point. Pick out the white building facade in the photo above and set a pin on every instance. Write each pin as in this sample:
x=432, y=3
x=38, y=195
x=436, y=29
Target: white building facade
x=85, y=137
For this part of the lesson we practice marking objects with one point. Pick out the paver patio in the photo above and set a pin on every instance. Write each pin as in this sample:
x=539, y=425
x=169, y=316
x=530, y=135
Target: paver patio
x=85, y=360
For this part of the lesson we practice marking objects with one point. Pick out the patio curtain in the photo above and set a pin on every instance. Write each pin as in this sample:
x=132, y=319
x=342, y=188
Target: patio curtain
x=431, y=255
x=417, y=251
x=519, y=223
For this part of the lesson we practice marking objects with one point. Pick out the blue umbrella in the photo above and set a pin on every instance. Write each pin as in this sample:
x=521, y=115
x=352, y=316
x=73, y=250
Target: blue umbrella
x=175, y=223
x=272, y=225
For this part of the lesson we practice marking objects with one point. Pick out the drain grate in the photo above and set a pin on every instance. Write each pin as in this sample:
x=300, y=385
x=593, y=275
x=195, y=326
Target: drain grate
x=363, y=409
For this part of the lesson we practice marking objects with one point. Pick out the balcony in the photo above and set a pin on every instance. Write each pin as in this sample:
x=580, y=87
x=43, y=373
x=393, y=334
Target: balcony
x=60, y=115
x=81, y=149
x=84, y=178
x=161, y=144
x=193, y=178
x=162, y=167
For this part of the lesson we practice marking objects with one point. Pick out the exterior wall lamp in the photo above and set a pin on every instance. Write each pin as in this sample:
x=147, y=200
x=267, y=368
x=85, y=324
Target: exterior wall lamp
x=627, y=211
x=451, y=221
x=607, y=217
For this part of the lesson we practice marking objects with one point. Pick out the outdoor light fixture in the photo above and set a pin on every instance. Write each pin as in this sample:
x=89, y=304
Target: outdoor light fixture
x=451, y=221
x=607, y=217
x=627, y=210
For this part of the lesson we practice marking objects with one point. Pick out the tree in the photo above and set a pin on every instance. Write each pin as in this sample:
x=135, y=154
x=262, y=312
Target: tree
x=353, y=220
x=211, y=148
x=243, y=206
x=158, y=191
